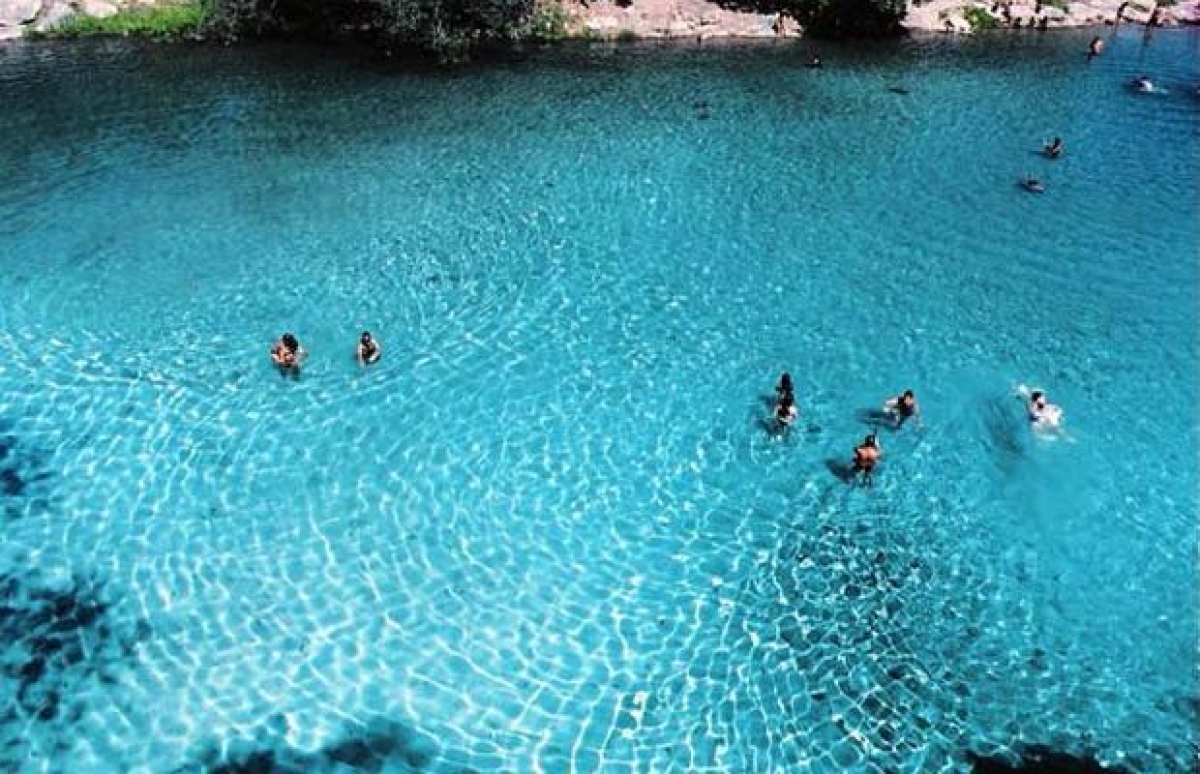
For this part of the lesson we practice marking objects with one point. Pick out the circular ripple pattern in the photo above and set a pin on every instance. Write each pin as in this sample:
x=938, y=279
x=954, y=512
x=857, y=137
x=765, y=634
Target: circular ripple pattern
x=550, y=530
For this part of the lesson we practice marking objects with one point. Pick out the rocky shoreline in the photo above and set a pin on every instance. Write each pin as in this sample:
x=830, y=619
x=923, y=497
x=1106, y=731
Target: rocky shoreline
x=21, y=17
x=699, y=19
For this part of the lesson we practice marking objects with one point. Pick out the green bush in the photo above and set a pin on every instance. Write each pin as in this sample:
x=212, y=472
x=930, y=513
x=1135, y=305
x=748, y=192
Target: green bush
x=548, y=22
x=167, y=21
x=980, y=19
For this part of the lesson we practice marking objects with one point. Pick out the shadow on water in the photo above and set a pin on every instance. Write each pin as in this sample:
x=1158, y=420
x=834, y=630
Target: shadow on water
x=876, y=418
x=22, y=471
x=1037, y=759
x=54, y=640
x=1003, y=428
x=384, y=746
x=841, y=469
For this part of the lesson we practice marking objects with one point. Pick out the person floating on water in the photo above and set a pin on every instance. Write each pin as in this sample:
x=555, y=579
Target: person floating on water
x=1043, y=415
x=1054, y=149
x=1033, y=185
x=1142, y=84
x=368, y=350
x=902, y=408
x=785, y=411
x=866, y=457
x=1095, y=48
x=288, y=355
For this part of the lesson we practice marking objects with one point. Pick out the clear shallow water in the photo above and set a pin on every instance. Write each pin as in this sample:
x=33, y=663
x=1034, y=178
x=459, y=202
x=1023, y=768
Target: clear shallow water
x=548, y=532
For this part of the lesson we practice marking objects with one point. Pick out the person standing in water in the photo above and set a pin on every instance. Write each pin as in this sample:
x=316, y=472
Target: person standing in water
x=368, y=350
x=866, y=457
x=902, y=408
x=288, y=355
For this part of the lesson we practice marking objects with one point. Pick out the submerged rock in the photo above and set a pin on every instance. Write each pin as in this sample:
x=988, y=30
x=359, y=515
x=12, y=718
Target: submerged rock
x=1040, y=760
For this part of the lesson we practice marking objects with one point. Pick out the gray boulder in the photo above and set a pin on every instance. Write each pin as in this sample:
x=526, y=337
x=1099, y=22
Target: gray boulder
x=16, y=13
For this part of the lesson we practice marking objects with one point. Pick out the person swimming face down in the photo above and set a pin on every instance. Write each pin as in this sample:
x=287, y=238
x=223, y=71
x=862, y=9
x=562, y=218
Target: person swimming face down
x=1037, y=405
x=786, y=411
x=785, y=386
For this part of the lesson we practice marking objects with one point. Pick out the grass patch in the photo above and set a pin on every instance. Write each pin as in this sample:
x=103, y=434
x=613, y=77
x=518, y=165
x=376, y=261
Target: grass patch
x=980, y=19
x=168, y=21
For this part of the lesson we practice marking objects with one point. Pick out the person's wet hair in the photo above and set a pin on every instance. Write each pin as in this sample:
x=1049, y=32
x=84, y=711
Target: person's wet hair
x=289, y=341
x=366, y=337
x=1035, y=396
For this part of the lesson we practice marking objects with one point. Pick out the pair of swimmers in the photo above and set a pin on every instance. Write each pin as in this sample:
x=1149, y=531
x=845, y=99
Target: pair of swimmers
x=288, y=355
x=901, y=408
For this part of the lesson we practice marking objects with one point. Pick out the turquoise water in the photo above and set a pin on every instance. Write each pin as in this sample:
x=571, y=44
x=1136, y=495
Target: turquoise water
x=549, y=532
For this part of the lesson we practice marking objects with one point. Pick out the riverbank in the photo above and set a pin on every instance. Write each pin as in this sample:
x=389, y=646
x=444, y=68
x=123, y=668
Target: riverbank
x=700, y=19
x=610, y=19
x=74, y=18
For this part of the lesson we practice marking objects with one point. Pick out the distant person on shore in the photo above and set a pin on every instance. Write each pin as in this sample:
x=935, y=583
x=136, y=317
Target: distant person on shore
x=288, y=355
x=866, y=457
x=1095, y=48
x=368, y=350
x=1054, y=149
x=902, y=408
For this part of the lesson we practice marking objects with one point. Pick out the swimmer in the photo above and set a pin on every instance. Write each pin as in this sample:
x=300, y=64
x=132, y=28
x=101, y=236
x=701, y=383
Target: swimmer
x=902, y=408
x=1095, y=48
x=814, y=62
x=1054, y=149
x=1042, y=414
x=866, y=457
x=1033, y=185
x=785, y=386
x=786, y=411
x=368, y=350
x=287, y=354
x=1143, y=84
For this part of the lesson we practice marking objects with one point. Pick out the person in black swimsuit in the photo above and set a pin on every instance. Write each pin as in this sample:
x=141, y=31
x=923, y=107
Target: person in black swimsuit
x=786, y=412
x=368, y=350
x=785, y=386
x=904, y=407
